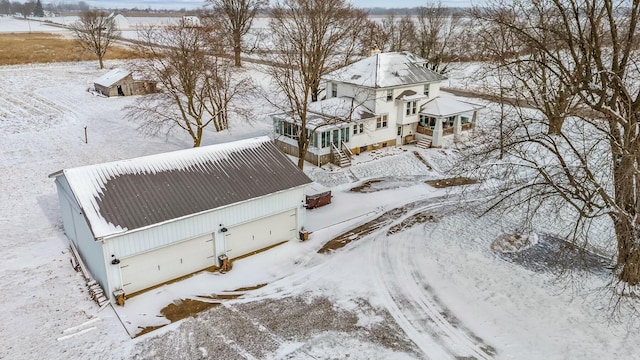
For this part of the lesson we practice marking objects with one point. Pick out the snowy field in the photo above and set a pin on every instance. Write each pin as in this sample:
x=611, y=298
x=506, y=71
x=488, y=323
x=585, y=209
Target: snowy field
x=418, y=280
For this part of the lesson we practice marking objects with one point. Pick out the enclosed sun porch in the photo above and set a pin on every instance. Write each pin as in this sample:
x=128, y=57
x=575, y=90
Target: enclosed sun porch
x=327, y=143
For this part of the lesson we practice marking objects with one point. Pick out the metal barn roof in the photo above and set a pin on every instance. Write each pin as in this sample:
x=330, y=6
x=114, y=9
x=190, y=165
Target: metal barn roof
x=124, y=195
x=386, y=70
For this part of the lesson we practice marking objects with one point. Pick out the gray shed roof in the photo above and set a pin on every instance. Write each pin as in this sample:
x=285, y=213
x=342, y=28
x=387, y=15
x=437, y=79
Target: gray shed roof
x=386, y=70
x=112, y=77
x=124, y=195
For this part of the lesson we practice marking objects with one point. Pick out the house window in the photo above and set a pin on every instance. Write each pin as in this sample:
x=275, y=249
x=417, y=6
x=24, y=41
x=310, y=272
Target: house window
x=277, y=124
x=450, y=121
x=325, y=139
x=464, y=119
x=381, y=121
x=355, y=129
x=361, y=128
x=399, y=130
x=389, y=95
x=290, y=130
x=313, y=140
x=411, y=108
x=426, y=90
x=334, y=90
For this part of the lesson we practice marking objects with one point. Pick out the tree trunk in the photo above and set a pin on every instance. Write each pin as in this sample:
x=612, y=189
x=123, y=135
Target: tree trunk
x=315, y=90
x=198, y=139
x=237, y=49
x=555, y=126
x=624, y=179
x=101, y=62
x=302, y=151
x=628, y=264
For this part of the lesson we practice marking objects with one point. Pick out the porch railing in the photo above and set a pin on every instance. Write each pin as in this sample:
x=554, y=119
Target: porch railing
x=346, y=149
x=424, y=130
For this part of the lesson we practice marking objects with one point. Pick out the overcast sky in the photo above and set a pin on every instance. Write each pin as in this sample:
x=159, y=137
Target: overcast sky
x=192, y=4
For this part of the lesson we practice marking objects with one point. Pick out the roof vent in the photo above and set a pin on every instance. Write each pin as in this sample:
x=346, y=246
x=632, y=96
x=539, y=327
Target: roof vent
x=396, y=73
x=356, y=77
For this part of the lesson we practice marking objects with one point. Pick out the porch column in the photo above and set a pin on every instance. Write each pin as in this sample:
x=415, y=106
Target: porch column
x=474, y=121
x=457, y=129
x=436, y=139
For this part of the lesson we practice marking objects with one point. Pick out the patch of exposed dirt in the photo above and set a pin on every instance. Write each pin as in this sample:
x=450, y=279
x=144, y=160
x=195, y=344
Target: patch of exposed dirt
x=411, y=221
x=363, y=230
x=148, y=329
x=249, y=288
x=365, y=186
x=450, y=182
x=316, y=315
x=552, y=254
x=178, y=310
x=181, y=309
x=507, y=243
x=259, y=329
x=422, y=160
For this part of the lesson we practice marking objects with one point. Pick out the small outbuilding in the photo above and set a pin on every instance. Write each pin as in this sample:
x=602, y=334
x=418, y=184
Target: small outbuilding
x=120, y=82
x=141, y=222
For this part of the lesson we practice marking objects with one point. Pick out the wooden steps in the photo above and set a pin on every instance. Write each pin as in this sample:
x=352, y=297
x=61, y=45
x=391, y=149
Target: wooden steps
x=424, y=143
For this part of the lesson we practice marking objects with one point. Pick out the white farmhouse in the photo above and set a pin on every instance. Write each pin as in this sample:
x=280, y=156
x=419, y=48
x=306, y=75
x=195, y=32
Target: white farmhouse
x=387, y=99
x=141, y=222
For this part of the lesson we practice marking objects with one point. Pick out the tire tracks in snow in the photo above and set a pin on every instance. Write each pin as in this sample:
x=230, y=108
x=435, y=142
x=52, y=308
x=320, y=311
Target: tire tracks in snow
x=415, y=307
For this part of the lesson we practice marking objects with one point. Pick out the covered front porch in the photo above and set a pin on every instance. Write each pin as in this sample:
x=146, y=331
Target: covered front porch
x=444, y=116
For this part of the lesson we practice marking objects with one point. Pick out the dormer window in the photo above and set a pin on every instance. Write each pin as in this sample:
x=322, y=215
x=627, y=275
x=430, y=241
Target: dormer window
x=389, y=95
x=426, y=90
x=411, y=108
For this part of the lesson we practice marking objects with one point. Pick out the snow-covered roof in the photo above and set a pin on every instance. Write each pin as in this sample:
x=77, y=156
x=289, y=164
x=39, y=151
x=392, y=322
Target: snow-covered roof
x=386, y=70
x=344, y=108
x=112, y=77
x=124, y=195
x=448, y=106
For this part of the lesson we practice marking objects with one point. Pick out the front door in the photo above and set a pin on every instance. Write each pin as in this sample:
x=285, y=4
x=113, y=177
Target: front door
x=336, y=138
x=399, y=136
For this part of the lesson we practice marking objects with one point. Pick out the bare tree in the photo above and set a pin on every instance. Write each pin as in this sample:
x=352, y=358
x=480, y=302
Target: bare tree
x=435, y=35
x=398, y=33
x=591, y=169
x=313, y=37
x=196, y=89
x=95, y=32
x=236, y=17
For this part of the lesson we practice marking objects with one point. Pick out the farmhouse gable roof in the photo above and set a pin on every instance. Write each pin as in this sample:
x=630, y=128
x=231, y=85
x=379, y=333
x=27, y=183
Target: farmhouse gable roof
x=385, y=70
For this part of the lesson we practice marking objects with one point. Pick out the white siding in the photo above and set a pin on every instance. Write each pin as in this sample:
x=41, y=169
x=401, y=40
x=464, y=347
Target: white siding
x=78, y=231
x=138, y=242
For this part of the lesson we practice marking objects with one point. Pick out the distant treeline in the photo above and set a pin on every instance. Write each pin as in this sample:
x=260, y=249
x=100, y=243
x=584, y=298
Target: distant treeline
x=31, y=8
x=37, y=8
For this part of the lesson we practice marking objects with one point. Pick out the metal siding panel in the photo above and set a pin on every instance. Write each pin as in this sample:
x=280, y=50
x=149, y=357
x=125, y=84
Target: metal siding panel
x=90, y=251
x=78, y=231
x=162, y=235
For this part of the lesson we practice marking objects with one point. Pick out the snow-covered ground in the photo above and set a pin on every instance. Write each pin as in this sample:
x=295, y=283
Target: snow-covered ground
x=418, y=281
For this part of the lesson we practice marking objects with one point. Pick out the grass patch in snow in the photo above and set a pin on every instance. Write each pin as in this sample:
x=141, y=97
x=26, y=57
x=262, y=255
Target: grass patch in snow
x=28, y=48
x=513, y=242
x=457, y=181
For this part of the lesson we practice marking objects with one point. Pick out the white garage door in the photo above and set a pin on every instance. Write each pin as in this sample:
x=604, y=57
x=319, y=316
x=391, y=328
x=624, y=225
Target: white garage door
x=145, y=270
x=259, y=234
